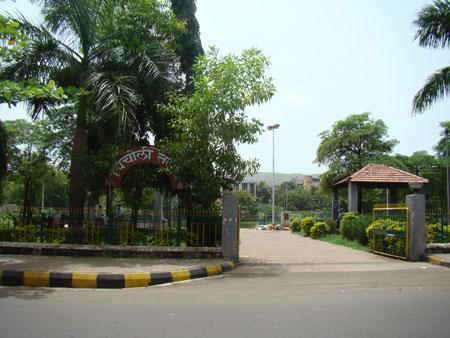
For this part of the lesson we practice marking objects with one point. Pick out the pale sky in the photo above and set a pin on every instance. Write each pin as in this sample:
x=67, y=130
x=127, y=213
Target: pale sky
x=329, y=59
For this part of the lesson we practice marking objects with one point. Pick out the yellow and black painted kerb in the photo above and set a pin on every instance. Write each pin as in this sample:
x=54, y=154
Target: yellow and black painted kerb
x=106, y=281
x=438, y=261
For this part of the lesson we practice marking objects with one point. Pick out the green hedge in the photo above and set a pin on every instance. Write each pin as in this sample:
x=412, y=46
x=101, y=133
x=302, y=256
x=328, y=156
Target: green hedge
x=353, y=227
x=296, y=225
x=306, y=224
x=319, y=229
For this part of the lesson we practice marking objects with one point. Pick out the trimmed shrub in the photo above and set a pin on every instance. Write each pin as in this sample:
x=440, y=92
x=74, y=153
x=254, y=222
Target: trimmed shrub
x=353, y=227
x=306, y=224
x=345, y=225
x=296, y=225
x=319, y=229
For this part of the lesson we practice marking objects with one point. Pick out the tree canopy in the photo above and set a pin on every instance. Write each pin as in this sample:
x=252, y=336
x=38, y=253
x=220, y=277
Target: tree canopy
x=116, y=54
x=189, y=44
x=350, y=144
x=210, y=121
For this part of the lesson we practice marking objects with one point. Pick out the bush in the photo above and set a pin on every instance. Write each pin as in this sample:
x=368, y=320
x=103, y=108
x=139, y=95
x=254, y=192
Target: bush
x=434, y=233
x=306, y=224
x=331, y=223
x=353, y=227
x=296, y=225
x=319, y=229
x=345, y=225
x=25, y=234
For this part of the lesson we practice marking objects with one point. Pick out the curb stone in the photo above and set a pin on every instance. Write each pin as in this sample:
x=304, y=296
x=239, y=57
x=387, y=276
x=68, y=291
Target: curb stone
x=105, y=280
x=437, y=261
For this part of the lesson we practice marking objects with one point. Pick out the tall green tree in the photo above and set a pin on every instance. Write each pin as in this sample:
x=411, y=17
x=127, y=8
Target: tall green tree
x=210, y=122
x=189, y=44
x=27, y=161
x=350, y=144
x=73, y=48
x=247, y=203
x=263, y=192
x=433, y=31
x=429, y=166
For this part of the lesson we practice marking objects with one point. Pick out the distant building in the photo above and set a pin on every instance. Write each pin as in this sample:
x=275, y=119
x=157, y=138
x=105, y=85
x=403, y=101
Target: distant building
x=309, y=182
x=250, y=182
x=251, y=187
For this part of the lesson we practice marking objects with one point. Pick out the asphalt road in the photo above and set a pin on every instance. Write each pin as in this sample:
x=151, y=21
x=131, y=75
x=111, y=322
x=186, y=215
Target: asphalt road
x=342, y=298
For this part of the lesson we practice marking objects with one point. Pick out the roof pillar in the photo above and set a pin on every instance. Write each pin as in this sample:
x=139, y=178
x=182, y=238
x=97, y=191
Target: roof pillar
x=352, y=196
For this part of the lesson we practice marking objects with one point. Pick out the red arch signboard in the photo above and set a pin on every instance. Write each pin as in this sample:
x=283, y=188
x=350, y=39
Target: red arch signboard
x=138, y=155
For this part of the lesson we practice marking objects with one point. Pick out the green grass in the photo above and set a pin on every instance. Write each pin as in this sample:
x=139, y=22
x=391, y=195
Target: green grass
x=248, y=224
x=339, y=240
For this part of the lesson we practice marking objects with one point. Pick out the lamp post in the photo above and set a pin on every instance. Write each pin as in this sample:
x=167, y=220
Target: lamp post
x=448, y=182
x=269, y=128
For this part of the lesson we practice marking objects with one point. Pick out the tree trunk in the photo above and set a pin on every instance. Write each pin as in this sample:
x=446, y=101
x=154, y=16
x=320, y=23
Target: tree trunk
x=77, y=185
x=137, y=196
x=26, y=202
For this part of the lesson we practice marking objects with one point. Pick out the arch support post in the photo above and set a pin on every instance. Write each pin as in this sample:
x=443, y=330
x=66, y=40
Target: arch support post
x=230, y=227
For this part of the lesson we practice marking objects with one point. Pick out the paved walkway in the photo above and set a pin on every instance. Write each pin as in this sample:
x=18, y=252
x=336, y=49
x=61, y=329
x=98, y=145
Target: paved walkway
x=263, y=250
x=300, y=254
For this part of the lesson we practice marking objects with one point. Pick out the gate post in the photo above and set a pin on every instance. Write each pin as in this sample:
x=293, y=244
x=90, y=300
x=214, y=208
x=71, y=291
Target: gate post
x=230, y=223
x=417, y=232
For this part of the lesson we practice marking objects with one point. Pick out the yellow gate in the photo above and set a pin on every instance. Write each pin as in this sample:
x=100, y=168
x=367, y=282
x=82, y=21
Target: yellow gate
x=390, y=231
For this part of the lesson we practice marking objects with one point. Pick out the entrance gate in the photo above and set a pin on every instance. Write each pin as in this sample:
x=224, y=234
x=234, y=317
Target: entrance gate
x=390, y=231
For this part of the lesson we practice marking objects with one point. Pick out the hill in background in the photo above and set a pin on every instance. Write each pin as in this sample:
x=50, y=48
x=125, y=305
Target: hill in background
x=279, y=177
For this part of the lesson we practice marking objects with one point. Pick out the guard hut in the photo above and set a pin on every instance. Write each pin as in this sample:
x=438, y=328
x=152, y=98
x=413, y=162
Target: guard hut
x=370, y=177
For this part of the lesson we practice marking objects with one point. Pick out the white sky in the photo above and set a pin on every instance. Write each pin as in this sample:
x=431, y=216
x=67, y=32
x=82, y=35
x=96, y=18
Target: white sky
x=329, y=58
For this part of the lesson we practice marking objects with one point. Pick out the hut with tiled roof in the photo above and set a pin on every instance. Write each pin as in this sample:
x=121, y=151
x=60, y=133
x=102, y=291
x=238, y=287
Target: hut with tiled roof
x=374, y=176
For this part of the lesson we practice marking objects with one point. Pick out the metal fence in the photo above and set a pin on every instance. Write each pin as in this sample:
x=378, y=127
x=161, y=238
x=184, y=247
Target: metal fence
x=173, y=227
x=438, y=229
x=390, y=232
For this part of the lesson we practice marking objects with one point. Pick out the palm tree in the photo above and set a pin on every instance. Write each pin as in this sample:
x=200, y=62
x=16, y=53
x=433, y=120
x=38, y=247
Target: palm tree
x=433, y=30
x=72, y=49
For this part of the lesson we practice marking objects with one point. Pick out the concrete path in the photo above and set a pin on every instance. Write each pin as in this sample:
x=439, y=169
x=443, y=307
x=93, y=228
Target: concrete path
x=295, y=253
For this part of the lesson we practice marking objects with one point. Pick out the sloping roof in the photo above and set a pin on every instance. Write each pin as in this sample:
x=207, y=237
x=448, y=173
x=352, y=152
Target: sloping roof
x=380, y=173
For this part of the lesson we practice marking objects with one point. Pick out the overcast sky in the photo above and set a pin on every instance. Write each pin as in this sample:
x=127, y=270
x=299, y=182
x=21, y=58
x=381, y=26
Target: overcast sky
x=329, y=59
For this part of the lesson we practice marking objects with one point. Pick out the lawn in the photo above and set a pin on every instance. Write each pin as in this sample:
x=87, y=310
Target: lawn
x=339, y=240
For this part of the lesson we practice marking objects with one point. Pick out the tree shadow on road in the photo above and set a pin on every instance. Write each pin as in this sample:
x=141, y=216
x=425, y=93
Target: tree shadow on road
x=254, y=268
x=25, y=293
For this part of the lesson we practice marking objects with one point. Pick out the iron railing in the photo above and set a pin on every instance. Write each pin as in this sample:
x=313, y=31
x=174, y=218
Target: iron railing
x=172, y=227
x=438, y=228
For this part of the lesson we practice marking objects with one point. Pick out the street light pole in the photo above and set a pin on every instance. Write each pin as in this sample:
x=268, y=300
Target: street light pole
x=273, y=127
x=448, y=182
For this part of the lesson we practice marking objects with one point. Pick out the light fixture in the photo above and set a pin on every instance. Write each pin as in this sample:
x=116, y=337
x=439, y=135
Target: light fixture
x=415, y=185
